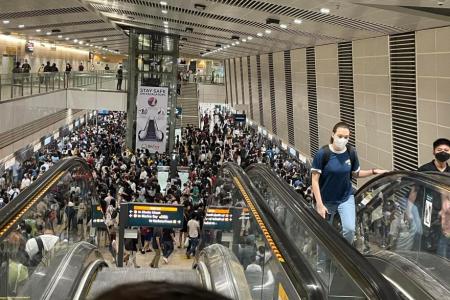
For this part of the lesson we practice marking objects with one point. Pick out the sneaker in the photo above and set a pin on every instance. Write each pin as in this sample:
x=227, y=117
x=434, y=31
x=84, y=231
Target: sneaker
x=142, y=251
x=165, y=260
x=188, y=256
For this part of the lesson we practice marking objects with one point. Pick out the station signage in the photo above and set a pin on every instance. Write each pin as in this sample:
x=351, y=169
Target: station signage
x=219, y=218
x=239, y=118
x=97, y=217
x=155, y=215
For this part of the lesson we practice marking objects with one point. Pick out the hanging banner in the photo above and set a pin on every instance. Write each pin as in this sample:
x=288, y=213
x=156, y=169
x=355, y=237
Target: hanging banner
x=151, y=119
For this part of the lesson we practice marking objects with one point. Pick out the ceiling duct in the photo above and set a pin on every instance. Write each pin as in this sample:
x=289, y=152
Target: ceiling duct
x=200, y=7
x=189, y=29
x=235, y=37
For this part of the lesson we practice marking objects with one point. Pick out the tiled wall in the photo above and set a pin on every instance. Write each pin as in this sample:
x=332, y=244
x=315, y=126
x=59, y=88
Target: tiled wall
x=266, y=90
x=372, y=95
x=300, y=96
x=238, y=81
x=433, y=85
x=280, y=95
x=327, y=82
x=245, y=87
x=254, y=79
x=232, y=90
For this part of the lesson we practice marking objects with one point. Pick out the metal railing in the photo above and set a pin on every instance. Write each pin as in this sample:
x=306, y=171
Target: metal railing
x=205, y=79
x=18, y=85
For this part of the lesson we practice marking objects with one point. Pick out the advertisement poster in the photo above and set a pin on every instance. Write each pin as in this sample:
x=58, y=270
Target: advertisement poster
x=151, y=120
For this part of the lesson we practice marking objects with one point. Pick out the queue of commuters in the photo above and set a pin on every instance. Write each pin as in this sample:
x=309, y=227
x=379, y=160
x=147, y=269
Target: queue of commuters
x=122, y=176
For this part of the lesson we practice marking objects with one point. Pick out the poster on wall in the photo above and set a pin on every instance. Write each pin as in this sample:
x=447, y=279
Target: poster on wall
x=151, y=120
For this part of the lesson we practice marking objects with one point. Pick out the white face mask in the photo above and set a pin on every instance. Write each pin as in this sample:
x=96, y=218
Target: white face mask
x=340, y=143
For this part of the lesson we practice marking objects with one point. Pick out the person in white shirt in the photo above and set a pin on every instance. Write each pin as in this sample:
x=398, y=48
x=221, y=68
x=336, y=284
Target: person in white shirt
x=26, y=181
x=193, y=234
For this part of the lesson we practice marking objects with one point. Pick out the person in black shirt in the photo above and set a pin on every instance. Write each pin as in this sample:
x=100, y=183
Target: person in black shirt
x=168, y=241
x=436, y=237
x=119, y=78
x=441, y=152
x=156, y=244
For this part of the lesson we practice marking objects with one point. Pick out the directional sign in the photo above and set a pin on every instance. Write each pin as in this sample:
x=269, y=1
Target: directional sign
x=219, y=218
x=97, y=217
x=155, y=215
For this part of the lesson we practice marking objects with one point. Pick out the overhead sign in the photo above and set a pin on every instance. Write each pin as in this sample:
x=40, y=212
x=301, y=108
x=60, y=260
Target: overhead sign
x=178, y=111
x=151, y=120
x=97, y=217
x=218, y=218
x=47, y=140
x=155, y=215
x=239, y=118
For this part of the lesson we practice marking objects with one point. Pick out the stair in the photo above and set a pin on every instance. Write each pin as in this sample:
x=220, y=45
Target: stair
x=189, y=102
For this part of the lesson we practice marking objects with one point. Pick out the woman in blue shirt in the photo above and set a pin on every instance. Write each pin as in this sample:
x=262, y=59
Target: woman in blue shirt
x=333, y=168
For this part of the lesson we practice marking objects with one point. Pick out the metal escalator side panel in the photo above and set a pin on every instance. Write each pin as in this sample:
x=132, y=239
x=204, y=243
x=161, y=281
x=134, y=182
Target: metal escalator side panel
x=341, y=253
x=225, y=272
x=293, y=273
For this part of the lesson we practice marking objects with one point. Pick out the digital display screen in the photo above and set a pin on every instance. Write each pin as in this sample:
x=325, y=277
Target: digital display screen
x=155, y=215
x=240, y=118
x=77, y=123
x=292, y=152
x=47, y=140
x=218, y=218
x=103, y=112
x=97, y=217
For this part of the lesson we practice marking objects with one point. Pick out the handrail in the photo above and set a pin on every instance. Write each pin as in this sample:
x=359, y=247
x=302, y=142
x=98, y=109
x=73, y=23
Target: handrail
x=300, y=272
x=353, y=262
x=29, y=197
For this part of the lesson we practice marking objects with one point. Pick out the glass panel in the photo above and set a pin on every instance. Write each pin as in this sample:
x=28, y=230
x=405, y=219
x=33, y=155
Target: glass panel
x=411, y=218
x=59, y=219
x=334, y=278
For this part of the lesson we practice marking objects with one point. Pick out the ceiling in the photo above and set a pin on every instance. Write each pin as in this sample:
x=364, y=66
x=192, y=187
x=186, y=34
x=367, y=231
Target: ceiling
x=213, y=23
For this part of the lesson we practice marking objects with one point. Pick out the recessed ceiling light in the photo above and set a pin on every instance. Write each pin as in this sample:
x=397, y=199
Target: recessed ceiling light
x=5, y=21
x=105, y=39
x=250, y=38
x=232, y=44
x=166, y=26
x=283, y=26
x=67, y=38
x=21, y=26
x=259, y=34
x=81, y=43
x=268, y=31
x=59, y=36
x=237, y=43
x=244, y=40
x=163, y=3
x=298, y=21
x=325, y=10
x=38, y=30
x=166, y=23
x=164, y=11
x=75, y=41
x=48, y=33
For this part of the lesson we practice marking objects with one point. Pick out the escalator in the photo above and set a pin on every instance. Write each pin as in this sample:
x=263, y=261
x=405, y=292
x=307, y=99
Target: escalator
x=254, y=256
x=399, y=229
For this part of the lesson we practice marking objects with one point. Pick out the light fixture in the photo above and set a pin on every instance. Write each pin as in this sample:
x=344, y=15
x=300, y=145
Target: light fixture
x=259, y=34
x=283, y=26
x=105, y=39
x=298, y=21
x=237, y=43
x=75, y=41
x=166, y=23
x=164, y=11
x=38, y=30
x=67, y=38
x=48, y=33
x=249, y=38
x=5, y=21
x=268, y=31
x=166, y=26
x=325, y=10
x=232, y=44
x=164, y=3
x=60, y=36
x=80, y=42
x=199, y=6
x=21, y=26
x=244, y=40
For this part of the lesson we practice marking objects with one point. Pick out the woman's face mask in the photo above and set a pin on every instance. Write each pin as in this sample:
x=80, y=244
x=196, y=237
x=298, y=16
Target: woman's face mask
x=340, y=142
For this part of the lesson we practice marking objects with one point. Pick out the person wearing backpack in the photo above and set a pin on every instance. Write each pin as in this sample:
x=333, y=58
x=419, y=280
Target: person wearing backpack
x=333, y=168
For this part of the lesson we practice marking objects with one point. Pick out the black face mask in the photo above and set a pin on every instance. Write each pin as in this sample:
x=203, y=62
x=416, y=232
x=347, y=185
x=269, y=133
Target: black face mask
x=442, y=156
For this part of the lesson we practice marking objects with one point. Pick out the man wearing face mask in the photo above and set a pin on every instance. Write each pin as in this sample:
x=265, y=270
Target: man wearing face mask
x=441, y=152
x=437, y=236
x=332, y=170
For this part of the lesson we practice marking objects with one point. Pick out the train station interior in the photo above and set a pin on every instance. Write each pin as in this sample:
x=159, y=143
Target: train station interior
x=225, y=149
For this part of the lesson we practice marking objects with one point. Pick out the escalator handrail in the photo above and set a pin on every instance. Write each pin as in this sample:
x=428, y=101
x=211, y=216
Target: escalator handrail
x=11, y=213
x=303, y=276
x=350, y=259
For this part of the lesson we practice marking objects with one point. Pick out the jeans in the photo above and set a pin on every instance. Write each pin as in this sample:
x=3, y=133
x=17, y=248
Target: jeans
x=347, y=213
x=155, y=261
x=167, y=248
x=193, y=242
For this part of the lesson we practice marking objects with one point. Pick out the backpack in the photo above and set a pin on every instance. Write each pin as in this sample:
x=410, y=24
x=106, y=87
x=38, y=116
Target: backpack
x=37, y=258
x=327, y=154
